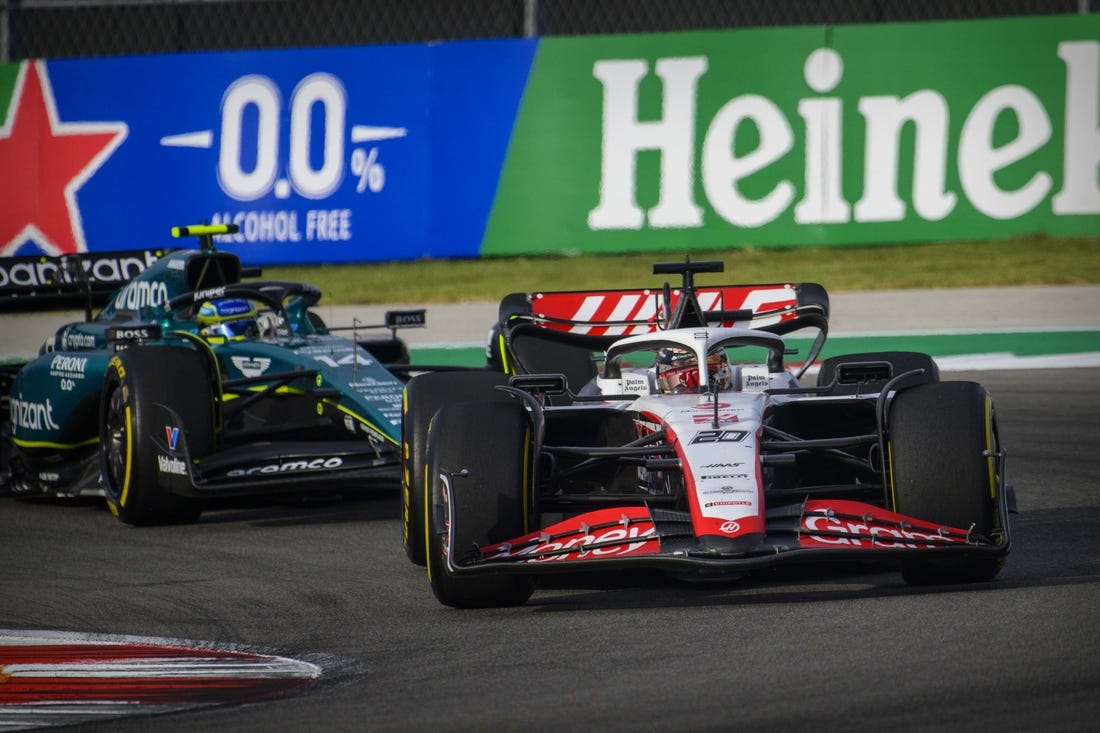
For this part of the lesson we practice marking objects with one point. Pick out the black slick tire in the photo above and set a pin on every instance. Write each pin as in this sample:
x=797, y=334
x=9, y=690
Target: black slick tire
x=478, y=496
x=134, y=447
x=424, y=395
x=942, y=441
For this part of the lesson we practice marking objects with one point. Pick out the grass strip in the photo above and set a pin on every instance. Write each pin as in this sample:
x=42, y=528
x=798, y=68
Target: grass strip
x=1035, y=260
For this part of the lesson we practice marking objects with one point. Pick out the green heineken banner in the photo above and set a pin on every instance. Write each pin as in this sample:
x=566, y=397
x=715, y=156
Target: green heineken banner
x=805, y=136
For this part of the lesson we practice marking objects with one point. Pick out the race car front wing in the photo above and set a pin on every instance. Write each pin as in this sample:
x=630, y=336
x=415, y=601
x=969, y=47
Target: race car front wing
x=815, y=530
x=269, y=467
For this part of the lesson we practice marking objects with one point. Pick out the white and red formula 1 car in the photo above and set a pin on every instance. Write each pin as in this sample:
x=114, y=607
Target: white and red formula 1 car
x=663, y=428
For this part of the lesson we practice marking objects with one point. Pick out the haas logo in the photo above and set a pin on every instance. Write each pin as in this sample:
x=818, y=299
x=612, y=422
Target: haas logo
x=730, y=528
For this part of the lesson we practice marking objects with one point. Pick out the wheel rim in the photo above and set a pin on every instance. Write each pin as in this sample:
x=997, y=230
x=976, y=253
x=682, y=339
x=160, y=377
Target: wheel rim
x=438, y=529
x=445, y=536
x=117, y=442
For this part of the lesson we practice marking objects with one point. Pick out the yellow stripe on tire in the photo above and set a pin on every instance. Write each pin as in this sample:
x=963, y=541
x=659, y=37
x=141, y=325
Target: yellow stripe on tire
x=129, y=459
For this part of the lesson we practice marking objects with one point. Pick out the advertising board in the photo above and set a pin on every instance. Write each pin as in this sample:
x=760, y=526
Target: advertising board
x=861, y=134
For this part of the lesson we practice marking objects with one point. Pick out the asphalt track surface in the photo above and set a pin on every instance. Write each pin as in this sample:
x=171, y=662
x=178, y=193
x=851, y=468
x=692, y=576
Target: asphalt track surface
x=973, y=310
x=819, y=648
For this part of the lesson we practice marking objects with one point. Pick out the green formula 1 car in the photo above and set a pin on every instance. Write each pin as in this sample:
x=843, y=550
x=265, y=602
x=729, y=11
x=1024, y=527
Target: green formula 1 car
x=191, y=384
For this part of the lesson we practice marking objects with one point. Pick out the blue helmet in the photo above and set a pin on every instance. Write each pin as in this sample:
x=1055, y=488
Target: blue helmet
x=230, y=318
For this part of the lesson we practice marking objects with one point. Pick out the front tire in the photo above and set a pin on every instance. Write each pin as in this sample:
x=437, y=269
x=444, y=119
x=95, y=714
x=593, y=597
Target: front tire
x=943, y=469
x=424, y=395
x=138, y=452
x=478, y=496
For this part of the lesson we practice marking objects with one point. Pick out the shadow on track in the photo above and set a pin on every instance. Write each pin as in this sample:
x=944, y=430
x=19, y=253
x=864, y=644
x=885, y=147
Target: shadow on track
x=314, y=509
x=1051, y=548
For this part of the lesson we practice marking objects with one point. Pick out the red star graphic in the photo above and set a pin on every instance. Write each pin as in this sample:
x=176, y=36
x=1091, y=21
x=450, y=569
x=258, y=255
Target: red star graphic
x=43, y=163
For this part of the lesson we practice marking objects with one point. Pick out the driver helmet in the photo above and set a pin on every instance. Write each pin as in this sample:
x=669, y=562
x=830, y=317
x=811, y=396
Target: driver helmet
x=720, y=373
x=677, y=370
x=229, y=318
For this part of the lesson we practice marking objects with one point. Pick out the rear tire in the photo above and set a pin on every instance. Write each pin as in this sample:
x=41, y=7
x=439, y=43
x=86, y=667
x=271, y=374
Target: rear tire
x=478, y=496
x=133, y=439
x=941, y=470
x=424, y=395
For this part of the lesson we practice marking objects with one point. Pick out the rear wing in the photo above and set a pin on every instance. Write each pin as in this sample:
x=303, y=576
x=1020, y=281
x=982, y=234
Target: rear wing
x=39, y=282
x=631, y=312
x=777, y=307
x=89, y=279
x=558, y=331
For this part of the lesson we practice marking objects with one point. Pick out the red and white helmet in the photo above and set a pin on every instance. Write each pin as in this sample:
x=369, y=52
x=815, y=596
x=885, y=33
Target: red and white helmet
x=678, y=371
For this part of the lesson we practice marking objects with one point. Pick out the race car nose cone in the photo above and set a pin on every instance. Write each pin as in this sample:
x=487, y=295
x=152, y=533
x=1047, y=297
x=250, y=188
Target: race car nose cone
x=719, y=546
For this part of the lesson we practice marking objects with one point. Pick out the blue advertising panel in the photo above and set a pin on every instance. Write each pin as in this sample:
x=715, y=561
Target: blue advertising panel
x=319, y=155
x=313, y=150
x=477, y=88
